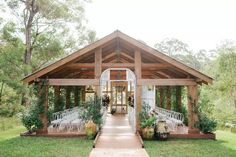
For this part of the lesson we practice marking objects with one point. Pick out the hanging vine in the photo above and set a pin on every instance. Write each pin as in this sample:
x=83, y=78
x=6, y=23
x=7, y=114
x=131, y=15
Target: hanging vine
x=32, y=119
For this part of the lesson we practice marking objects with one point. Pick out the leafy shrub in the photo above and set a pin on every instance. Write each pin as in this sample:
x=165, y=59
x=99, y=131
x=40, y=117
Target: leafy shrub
x=205, y=124
x=185, y=114
x=144, y=114
x=9, y=110
x=144, y=117
x=150, y=122
x=31, y=119
x=93, y=111
x=7, y=123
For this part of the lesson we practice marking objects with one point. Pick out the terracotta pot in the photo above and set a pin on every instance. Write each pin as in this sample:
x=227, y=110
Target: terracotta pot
x=90, y=129
x=148, y=133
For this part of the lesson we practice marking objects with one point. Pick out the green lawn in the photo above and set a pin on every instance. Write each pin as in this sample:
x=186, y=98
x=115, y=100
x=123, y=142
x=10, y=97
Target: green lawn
x=225, y=146
x=11, y=145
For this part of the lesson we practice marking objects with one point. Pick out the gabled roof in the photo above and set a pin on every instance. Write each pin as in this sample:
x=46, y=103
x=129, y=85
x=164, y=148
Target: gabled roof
x=117, y=34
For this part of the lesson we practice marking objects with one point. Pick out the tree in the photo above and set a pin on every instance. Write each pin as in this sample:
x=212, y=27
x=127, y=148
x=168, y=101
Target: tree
x=49, y=30
x=178, y=50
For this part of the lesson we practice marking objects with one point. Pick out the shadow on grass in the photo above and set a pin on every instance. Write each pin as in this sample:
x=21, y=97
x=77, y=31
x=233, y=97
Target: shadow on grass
x=45, y=147
x=189, y=148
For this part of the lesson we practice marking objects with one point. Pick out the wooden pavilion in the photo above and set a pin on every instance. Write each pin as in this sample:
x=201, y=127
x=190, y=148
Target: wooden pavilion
x=120, y=67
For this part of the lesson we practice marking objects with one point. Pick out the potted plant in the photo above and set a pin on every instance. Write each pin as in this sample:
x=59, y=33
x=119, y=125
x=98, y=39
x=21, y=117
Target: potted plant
x=161, y=130
x=147, y=122
x=92, y=116
x=90, y=129
x=147, y=127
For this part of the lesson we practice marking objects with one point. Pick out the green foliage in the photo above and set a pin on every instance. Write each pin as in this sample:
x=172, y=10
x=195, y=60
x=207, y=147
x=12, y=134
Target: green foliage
x=31, y=118
x=9, y=110
x=185, y=114
x=150, y=122
x=7, y=123
x=205, y=124
x=93, y=111
x=145, y=119
x=144, y=114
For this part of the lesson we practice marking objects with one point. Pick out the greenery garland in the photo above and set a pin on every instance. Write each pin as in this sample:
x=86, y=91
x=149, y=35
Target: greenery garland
x=31, y=119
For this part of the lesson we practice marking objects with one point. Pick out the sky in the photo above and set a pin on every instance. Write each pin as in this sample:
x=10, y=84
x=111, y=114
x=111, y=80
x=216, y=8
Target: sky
x=202, y=24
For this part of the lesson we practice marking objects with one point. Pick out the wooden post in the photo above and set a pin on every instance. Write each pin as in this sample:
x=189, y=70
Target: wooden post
x=98, y=69
x=178, y=98
x=76, y=96
x=57, y=98
x=192, y=109
x=168, y=98
x=43, y=91
x=83, y=93
x=68, y=91
x=161, y=97
x=138, y=72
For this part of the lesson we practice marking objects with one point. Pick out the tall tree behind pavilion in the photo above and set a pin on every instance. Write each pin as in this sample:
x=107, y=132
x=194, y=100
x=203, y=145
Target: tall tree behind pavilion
x=38, y=19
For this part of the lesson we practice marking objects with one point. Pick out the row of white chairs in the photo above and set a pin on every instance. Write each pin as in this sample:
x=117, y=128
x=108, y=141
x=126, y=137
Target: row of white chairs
x=172, y=118
x=67, y=120
x=70, y=120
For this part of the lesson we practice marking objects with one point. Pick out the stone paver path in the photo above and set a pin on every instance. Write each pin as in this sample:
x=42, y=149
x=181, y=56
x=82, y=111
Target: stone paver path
x=118, y=140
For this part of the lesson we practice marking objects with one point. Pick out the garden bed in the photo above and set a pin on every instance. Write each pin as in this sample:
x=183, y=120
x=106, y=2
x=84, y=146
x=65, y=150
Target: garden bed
x=193, y=136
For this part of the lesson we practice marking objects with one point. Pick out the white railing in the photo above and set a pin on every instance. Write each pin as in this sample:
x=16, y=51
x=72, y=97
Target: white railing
x=173, y=119
x=170, y=114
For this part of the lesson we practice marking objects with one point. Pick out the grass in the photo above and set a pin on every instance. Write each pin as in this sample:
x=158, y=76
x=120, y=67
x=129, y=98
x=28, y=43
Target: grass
x=224, y=146
x=11, y=145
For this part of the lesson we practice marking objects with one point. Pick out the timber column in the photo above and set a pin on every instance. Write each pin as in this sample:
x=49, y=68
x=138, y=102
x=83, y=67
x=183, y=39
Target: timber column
x=98, y=69
x=192, y=109
x=43, y=95
x=138, y=73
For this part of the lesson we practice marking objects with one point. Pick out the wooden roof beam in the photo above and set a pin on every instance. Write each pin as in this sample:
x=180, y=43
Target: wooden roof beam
x=167, y=82
x=80, y=65
x=118, y=65
x=155, y=65
x=73, y=82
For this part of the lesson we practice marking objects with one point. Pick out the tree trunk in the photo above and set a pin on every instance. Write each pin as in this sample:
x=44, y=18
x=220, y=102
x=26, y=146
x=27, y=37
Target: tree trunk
x=30, y=11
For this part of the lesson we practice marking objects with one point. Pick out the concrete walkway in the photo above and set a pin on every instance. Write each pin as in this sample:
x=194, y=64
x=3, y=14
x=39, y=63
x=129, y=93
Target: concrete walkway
x=118, y=140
